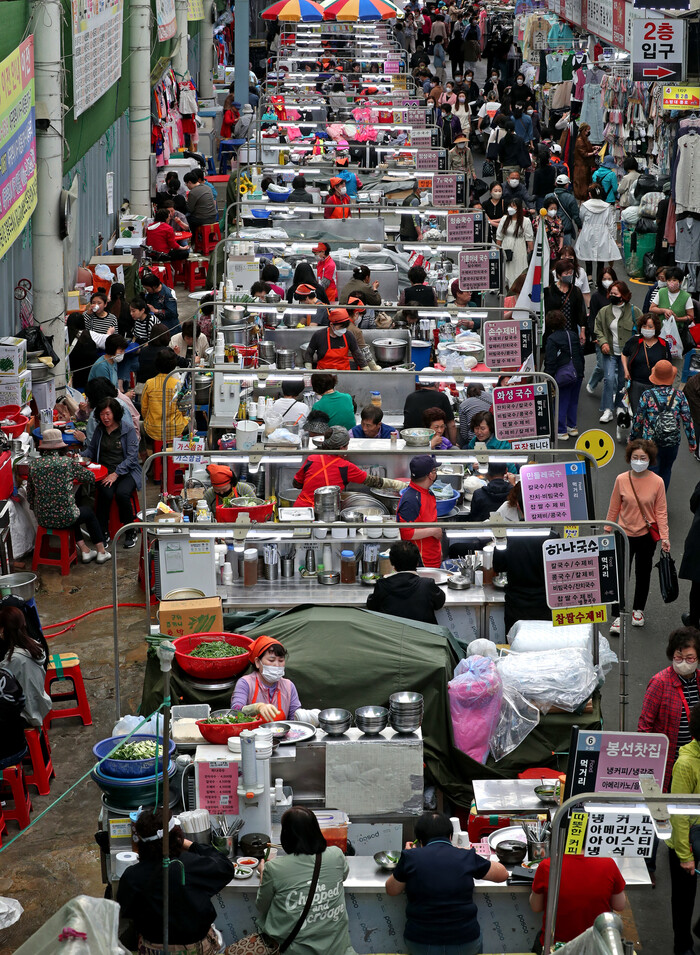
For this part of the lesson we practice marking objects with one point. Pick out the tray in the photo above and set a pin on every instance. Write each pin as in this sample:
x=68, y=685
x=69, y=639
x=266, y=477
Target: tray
x=299, y=732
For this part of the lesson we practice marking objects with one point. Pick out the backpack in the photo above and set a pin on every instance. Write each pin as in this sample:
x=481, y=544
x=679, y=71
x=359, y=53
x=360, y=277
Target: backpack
x=666, y=432
x=644, y=184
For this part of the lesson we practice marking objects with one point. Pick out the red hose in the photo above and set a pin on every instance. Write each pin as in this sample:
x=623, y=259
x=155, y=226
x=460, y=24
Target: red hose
x=62, y=623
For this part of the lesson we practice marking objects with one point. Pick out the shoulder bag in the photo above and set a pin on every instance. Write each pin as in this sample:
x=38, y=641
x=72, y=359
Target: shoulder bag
x=261, y=944
x=566, y=374
x=652, y=526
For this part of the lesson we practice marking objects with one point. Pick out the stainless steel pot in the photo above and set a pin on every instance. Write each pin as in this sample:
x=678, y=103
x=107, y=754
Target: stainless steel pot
x=266, y=350
x=291, y=320
x=389, y=351
x=390, y=499
x=327, y=503
x=272, y=319
x=287, y=496
x=202, y=387
x=284, y=357
x=233, y=315
x=20, y=585
x=301, y=354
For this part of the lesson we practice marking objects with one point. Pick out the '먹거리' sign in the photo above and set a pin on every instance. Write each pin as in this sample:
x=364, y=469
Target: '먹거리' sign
x=18, y=181
x=506, y=343
x=479, y=270
x=521, y=411
x=554, y=492
x=608, y=761
x=580, y=572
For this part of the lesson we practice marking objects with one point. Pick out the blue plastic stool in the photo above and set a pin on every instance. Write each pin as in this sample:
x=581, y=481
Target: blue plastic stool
x=227, y=149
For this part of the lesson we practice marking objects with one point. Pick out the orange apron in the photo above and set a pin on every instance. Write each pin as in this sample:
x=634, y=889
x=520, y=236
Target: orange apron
x=306, y=500
x=336, y=358
x=278, y=703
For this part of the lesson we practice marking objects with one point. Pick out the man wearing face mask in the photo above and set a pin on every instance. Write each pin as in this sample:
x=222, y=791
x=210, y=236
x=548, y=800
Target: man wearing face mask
x=418, y=505
x=334, y=345
x=570, y=215
x=106, y=366
x=674, y=302
x=266, y=692
x=451, y=127
x=514, y=188
x=337, y=203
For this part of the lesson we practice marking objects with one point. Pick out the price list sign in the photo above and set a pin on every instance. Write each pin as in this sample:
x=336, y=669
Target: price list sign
x=554, y=492
x=480, y=270
x=506, y=343
x=427, y=159
x=217, y=783
x=421, y=137
x=618, y=834
x=466, y=227
x=580, y=572
x=520, y=411
x=612, y=762
x=415, y=116
x=445, y=190
x=391, y=66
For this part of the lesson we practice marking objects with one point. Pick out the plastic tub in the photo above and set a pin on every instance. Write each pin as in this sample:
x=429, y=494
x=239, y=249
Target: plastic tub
x=420, y=354
x=204, y=668
x=334, y=827
x=221, y=732
x=16, y=429
x=258, y=513
x=246, y=435
x=130, y=793
x=9, y=411
x=444, y=506
x=128, y=768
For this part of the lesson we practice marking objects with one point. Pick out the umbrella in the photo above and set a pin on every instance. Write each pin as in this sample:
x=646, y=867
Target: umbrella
x=354, y=10
x=305, y=11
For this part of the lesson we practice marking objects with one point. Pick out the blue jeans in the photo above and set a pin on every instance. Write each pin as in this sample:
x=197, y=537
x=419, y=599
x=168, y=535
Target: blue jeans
x=664, y=462
x=568, y=405
x=599, y=370
x=614, y=381
x=463, y=948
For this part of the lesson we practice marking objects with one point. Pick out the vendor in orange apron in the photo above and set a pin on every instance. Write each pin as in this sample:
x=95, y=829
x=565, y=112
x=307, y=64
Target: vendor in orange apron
x=337, y=204
x=224, y=483
x=334, y=345
x=266, y=692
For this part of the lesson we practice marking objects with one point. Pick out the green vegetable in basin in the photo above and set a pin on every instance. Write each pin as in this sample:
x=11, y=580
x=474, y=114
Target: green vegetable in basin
x=145, y=749
x=217, y=648
x=230, y=718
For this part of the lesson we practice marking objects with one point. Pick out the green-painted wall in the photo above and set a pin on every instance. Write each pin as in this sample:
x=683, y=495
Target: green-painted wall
x=15, y=16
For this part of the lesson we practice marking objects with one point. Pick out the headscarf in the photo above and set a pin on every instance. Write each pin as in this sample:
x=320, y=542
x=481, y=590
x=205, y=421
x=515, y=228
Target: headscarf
x=337, y=437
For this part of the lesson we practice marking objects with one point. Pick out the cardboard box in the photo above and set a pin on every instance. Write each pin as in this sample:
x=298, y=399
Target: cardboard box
x=16, y=391
x=135, y=225
x=13, y=357
x=45, y=394
x=178, y=618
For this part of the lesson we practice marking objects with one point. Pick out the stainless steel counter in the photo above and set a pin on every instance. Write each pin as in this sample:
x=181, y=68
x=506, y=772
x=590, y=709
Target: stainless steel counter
x=509, y=795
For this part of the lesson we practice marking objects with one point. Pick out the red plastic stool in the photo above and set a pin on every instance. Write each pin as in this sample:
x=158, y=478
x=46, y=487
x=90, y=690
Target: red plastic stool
x=48, y=556
x=206, y=237
x=180, y=271
x=114, y=521
x=14, y=787
x=39, y=769
x=66, y=666
x=176, y=479
x=196, y=273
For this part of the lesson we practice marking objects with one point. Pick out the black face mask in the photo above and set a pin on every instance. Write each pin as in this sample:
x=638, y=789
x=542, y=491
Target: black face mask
x=615, y=299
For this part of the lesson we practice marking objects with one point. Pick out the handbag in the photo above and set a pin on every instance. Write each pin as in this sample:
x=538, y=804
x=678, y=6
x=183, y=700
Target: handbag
x=668, y=578
x=651, y=525
x=566, y=374
x=261, y=944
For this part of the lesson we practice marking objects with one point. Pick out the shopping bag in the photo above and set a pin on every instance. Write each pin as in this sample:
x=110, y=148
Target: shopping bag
x=668, y=578
x=672, y=337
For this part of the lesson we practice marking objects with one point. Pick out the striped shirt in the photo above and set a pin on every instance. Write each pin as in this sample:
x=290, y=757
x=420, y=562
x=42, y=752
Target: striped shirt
x=692, y=698
x=143, y=326
x=99, y=323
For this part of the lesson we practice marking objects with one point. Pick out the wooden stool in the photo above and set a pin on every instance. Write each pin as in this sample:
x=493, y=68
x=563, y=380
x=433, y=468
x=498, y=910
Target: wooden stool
x=39, y=771
x=14, y=787
x=114, y=522
x=196, y=268
x=206, y=237
x=48, y=556
x=66, y=666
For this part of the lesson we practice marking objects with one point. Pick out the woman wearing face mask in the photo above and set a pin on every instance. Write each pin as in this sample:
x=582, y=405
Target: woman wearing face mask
x=266, y=692
x=600, y=298
x=580, y=278
x=563, y=296
x=596, y=239
x=495, y=207
x=334, y=346
x=564, y=361
x=520, y=92
x=337, y=203
x=554, y=230
x=460, y=157
x=640, y=354
x=516, y=237
x=638, y=502
x=448, y=95
x=488, y=111
x=461, y=111
x=326, y=270
x=614, y=326
x=674, y=302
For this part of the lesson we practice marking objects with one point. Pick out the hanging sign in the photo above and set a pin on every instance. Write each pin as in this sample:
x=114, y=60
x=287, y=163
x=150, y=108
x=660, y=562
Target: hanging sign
x=574, y=618
x=165, y=16
x=97, y=50
x=608, y=761
x=521, y=411
x=18, y=179
x=555, y=492
x=392, y=66
x=415, y=116
x=421, y=137
x=581, y=572
x=615, y=834
x=681, y=97
x=479, y=270
x=465, y=227
x=658, y=50
x=445, y=190
x=427, y=159
x=189, y=444
x=506, y=343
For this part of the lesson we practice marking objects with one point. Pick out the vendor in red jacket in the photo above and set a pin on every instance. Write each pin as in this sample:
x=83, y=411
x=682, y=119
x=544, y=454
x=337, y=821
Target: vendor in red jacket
x=334, y=345
x=160, y=236
x=418, y=505
x=326, y=271
x=337, y=203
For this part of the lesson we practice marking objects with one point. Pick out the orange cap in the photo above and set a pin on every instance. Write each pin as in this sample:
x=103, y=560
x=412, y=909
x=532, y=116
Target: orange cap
x=260, y=645
x=220, y=475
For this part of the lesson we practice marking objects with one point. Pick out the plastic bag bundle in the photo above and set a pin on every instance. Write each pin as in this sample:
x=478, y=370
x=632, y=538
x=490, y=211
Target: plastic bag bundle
x=517, y=719
x=475, y=694
x=548, y=678
x=531, y=636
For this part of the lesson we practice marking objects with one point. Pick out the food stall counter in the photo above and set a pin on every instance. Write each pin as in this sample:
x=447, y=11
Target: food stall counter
x=509, y=795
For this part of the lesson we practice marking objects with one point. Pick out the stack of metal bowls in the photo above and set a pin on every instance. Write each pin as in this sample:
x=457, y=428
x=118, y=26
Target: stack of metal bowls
x=405, y=711
x=371, y=720
x=335, y=721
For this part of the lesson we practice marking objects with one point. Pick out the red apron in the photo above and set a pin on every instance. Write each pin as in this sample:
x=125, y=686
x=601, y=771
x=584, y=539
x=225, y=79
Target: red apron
x=337, y=358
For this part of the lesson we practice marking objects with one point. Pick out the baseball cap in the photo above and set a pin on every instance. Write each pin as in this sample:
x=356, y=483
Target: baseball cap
x=338, y=315
x=321, y=247
x=336, y=181
x=555, y=148
x=304, y=289
x=422, y=465
x=563, y=180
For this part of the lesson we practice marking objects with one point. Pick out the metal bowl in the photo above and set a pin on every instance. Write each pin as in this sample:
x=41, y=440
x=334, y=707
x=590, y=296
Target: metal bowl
x=406, y=696
x=328, y=577
x=418, y=437
x=358, y=513
x=387, y=859
x=371, y=719
x=335, y=721
x=547, y=794
x=21, y=585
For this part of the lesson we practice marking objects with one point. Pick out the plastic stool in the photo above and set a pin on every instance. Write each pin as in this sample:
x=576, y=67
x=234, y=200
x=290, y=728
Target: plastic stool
x=3, y=827
x=40, y=770
x=175, y=478
x=164, y=271
x=48, y=556
x=114, y=521
x=196, y=273
x=180, y=271
x=14, y=787
x=206, y=237
x=66, y=666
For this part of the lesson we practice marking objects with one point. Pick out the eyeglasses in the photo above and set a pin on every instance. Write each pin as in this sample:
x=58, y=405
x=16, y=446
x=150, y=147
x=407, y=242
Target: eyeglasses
x=679, y=657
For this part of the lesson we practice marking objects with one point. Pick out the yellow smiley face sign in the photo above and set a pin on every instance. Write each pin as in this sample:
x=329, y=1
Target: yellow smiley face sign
x=599, y=444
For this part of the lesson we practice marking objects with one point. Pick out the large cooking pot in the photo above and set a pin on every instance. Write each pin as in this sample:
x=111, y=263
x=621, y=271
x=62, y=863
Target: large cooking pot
x=202, y=387
x=291, y=319
x=389, y=351
x=390, y=499
x=272, y=319
x=284, y=358
x=287, y=496
x=232, y=315
x=266, y=350
x=327, y=503
x=254, y=844
x=21, y=585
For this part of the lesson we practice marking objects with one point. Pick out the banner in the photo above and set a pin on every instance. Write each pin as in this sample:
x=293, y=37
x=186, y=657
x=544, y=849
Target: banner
x=97, y=27
x=18, y=187
x=165, y=15
x=195, y=10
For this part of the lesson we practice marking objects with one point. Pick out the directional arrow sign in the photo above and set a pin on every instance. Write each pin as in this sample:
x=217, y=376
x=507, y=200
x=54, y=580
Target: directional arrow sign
x=658, y=50
x=656, y=73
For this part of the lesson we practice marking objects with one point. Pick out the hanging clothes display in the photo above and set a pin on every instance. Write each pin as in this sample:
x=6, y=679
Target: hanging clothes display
x=167, y=133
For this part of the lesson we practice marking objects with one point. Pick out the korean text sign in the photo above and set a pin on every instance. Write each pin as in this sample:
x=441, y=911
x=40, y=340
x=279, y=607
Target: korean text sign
x=618, y=834
x=612, y=762
x=580, y=572
x=554, y=492
x=520, y=411
x=465, y=227
x=479, y=270
x=18, y=178
x=507, y=343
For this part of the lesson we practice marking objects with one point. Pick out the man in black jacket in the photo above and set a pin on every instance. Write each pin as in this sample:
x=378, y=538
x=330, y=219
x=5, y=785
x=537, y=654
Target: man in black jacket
x=488, y=499
x=405, y=593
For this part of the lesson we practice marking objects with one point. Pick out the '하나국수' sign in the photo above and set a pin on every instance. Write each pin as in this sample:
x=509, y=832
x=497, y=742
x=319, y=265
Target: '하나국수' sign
x=581, y=571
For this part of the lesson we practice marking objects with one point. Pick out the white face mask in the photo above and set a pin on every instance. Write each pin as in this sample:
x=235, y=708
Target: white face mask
x=639, y=466
x=683, y=668
x=513, y=183
x=496, y=196
x=463, y=99
x=119, y=358
x=272, y=674
x=551, y=213
x=530, y=112
x=648, y=333
x=520, y=82
x=339, y=330
x=662, y=285
x=342, y=191
x=512, y=210
x=606, y=283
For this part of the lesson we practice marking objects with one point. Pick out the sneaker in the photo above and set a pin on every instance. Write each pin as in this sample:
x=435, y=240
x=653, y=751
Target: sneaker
x=615, y=627
x=86, y=557
x=685, y=620
x=606, y=416
x=103, y=558
x=563, y=437
x=591, y=391
x=573, y=432
x=637, y=618
x=130, y=539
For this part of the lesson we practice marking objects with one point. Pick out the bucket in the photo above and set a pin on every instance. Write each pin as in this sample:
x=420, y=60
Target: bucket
x=248, y=355
x=22, y=585
x=420, y=354
x=246, y=435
